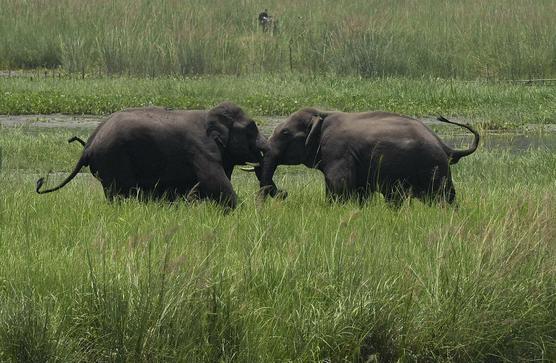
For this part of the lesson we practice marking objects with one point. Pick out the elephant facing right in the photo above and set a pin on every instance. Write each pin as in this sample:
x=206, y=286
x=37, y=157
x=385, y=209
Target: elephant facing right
x=363, y=153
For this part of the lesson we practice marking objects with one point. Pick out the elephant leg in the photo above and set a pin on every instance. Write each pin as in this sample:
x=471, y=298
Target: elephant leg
x=451, y=195
x=114, y=191
x=364, y=194
x=116, y=176
x=229, y=169
x=396, y=193
x=440, y=190
x=215, y=185
x=340, y=181
x=154, y=193
x=108, y=193
x=446, y=193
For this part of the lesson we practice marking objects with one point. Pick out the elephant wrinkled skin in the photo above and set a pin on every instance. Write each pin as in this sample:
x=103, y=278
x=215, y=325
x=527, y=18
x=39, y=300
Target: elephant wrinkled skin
x=363, y=153
x=161, y=153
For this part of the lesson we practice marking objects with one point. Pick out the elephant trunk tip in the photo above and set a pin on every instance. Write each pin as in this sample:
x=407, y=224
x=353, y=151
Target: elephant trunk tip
x=39, y=185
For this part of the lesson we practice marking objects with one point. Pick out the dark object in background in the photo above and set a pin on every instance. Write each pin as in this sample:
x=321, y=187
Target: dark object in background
x=266, y=22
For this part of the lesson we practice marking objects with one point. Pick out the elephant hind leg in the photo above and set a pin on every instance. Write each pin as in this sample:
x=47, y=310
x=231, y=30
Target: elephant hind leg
x=115, y=191
x=116, y=175
x=446, y=192
x=443, y=189
x=435, y=186
x=449, y=194
x=109, y=193
x=441, y=193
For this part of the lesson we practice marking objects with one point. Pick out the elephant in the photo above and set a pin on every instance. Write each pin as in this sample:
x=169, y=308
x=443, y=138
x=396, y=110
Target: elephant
x=367, y=152
x=161, y=153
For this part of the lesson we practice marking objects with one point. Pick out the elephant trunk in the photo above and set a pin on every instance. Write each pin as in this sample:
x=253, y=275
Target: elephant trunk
x=270, y=162
x=262, y=144
x=263, y=150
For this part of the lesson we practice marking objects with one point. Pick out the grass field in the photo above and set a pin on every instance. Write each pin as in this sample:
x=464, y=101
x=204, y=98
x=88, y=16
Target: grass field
x=294, y=280
x=499, y=39
x=490, y=104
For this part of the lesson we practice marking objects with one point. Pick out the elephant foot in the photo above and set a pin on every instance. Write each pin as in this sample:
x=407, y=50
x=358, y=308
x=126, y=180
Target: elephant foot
x=280, y=194
x=273, y=192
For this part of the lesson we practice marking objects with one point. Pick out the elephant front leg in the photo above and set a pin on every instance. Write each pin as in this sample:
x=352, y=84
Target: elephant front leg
x=340, y=181
x=229, y=169
x=215, y=185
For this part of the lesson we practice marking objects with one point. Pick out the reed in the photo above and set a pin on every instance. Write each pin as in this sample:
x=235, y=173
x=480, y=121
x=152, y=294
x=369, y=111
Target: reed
x=294, y=280
x=499, y=39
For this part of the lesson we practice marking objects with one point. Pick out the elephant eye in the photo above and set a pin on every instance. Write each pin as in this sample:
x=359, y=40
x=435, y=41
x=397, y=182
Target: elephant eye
x=285, y=132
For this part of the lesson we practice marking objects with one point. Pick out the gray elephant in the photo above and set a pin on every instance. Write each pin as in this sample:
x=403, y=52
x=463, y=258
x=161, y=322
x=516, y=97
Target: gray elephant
x=161, y=153
x=362, y=153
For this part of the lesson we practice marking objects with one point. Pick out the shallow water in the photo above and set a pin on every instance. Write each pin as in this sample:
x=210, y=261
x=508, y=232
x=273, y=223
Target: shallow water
x=512, y=141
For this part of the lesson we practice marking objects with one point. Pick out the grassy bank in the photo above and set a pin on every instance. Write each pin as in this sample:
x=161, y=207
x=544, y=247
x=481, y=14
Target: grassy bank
x=469, y=39
x=295, y=280
x=495, y=104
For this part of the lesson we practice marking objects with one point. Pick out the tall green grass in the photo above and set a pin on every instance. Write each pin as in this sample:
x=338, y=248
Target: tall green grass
x=294, y=280
x=464, y=39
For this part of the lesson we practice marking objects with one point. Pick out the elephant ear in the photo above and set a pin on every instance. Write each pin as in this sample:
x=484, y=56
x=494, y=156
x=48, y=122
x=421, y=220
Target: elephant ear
x=315, y=126
x=220, y=121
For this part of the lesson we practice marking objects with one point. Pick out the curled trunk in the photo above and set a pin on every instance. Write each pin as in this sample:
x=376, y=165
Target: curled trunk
x=266, y=173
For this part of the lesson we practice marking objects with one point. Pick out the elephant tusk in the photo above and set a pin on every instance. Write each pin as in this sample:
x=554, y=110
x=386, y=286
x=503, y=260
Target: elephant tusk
x=247, y=168
x=252, y=164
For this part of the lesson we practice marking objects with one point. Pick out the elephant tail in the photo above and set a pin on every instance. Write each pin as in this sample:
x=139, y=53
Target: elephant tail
x=80, y=164
x=455, y=155
x=78, y=139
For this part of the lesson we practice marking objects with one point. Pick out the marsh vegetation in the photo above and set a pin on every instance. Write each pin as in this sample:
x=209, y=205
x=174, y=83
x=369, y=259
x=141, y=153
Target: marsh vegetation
x=297, y=280
x=287, y=280
x=490, y=105
x=470, y=39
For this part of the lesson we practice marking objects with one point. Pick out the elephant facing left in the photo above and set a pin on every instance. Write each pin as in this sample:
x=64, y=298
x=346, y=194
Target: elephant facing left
x=169, y=154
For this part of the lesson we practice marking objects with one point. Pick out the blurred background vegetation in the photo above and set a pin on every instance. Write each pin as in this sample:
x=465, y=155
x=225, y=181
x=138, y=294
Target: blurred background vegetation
x=468, y=39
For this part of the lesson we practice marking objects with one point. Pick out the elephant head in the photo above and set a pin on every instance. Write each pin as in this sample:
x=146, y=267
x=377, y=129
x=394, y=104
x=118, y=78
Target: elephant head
x=296, y=141
x=236, y=135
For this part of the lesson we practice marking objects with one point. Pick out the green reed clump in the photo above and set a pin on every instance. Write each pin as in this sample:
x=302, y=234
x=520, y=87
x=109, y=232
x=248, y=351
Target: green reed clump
x=292, y=280
x=469, y=39
x=26, y=331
